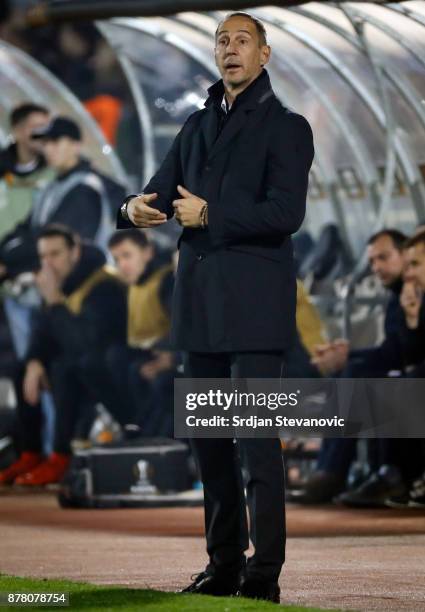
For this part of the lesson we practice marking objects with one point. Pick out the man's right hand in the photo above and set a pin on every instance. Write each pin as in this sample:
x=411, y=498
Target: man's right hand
x=34, y=381
x=143, y=215
x=331, y=357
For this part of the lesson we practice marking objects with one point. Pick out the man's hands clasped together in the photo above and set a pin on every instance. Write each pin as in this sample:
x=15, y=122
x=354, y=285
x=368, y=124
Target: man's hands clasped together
x=187, y=210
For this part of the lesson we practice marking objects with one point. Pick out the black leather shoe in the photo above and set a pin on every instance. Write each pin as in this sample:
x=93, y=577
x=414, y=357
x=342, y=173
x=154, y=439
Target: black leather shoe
x=374, y=492
x=208, y=584
x=254, y=588
x=320, y=488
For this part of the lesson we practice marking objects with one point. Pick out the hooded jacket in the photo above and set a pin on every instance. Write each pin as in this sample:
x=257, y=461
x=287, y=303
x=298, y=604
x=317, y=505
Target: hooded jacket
x=92, y=317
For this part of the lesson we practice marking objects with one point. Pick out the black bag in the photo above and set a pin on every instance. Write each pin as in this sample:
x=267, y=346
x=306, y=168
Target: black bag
x=142, y=472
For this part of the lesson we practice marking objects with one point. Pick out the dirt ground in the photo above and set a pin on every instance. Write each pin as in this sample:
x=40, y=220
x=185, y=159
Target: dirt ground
x=336, y=558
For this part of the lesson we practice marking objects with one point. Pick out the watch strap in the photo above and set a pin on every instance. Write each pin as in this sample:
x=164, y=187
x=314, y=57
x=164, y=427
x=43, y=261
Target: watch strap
x=123, y=209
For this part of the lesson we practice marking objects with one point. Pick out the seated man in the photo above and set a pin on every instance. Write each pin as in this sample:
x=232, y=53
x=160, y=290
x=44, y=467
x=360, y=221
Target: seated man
x=143, y=370
x=385, y=256
x=84, y=313
x=386, y=259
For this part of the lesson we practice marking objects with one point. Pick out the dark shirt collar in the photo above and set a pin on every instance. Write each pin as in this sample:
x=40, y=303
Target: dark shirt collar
x=92, y=258
x=83, y=165
x=150, y=268
x=10, y=162
x=396, y=286
x=249, y=97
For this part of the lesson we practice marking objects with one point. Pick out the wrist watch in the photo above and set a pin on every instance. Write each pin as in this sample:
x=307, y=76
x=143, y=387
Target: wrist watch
x=123, y=209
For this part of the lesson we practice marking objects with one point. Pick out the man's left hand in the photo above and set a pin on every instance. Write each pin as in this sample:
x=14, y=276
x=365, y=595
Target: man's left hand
x=163, y=360
x=188, y=208
x=49, y=286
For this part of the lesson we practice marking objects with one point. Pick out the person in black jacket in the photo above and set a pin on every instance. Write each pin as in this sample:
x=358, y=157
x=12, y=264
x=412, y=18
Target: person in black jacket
x=412, y=303
x=413, y=346
x=385, y=252
x=23, y=155
x=236, y=180
x=84, y=314
x=385, y=256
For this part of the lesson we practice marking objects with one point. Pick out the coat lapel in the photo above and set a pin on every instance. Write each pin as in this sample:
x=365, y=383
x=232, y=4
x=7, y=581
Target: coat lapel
x=209, y=129
x=257, y=95
x=230, y=130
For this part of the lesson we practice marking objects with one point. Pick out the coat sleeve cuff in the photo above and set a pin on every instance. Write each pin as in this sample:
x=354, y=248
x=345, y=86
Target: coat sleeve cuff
x=121, y=222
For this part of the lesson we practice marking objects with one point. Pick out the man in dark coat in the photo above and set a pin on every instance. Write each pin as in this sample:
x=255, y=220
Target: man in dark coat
x=236, y=178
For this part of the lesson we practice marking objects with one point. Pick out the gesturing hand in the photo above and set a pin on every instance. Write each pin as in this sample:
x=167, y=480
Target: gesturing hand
x=143, y=215
x=35, y=380
x=188, y=208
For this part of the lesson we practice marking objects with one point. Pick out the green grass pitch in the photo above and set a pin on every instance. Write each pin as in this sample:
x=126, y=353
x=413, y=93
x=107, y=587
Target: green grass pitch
x=117, y=598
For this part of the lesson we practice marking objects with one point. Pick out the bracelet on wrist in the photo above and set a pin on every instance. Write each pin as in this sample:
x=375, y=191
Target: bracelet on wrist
x=124, y=205
x=203, y=216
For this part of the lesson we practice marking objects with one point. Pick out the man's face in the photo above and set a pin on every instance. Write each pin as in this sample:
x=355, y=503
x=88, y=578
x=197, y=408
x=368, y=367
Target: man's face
x=239, y=54
x=415, y=265
x=61, y=153
x=23, y=130
x=55, y=253
x=385, y=260
x=131, y=260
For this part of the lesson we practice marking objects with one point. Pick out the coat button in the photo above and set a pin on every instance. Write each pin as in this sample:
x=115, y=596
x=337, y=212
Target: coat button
x=207, y=168
x=200, y=256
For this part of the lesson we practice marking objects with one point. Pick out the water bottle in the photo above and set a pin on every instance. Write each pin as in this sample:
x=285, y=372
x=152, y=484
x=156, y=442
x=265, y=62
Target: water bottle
x=104, y=429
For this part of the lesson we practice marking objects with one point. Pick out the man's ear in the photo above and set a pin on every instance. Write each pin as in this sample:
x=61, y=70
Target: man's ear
x=265, y=55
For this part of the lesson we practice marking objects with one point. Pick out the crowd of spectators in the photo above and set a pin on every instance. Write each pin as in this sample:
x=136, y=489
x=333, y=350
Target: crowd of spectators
x=81, y=58
x=86, y=333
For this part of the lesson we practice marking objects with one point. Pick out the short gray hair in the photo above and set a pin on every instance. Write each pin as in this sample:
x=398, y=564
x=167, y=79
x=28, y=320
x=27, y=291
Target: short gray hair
x=261, y=30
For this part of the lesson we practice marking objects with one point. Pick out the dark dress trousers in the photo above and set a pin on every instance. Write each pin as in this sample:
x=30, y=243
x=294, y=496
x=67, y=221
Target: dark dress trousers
x=235, y=295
